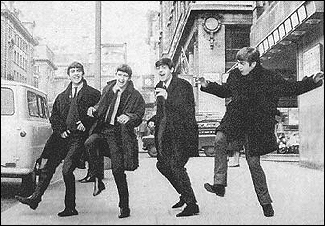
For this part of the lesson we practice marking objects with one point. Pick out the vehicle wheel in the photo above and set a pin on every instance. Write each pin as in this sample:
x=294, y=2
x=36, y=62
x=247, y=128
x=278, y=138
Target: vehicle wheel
x=152, y=151
x=209, y=151
x=28, y=184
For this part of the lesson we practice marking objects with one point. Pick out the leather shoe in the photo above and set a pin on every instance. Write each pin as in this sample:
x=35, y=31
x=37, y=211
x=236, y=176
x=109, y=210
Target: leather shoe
x=87, y=179
x=268, y=210
x=218, y=189
x=99, y=186
x=180, y=203
x=68, y=212
x=124, y=212
x=30, y=201
x=189, y=210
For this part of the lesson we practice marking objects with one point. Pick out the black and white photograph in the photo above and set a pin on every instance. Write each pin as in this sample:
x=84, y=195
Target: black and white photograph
x=162, y=112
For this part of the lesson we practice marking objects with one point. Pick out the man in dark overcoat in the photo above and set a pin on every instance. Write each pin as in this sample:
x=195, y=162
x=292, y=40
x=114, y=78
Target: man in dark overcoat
x=120, y=109
x=255, y=92
x=70, y=124
x=176, y=133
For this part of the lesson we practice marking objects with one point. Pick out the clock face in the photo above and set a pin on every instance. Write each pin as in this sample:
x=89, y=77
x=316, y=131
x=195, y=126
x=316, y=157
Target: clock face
x=212, y=24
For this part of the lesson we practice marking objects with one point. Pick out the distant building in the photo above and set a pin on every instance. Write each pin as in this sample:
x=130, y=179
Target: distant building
x=150, y=80
x=17, y=48
x=44, y=70
x=112, y=55
x=153, y=40
x=62, y=61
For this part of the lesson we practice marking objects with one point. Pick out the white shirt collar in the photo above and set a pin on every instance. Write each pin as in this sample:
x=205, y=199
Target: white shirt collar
x=116, y=87
x=78, y=86
x=168, y=82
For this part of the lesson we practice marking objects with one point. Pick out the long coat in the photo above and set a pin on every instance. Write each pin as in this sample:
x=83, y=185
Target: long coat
x=87, y=96
x=251, y=113
x=134, y=107
x=181, y=126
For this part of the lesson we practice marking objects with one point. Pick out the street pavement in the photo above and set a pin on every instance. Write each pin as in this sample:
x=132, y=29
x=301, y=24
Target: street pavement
x=297, y=193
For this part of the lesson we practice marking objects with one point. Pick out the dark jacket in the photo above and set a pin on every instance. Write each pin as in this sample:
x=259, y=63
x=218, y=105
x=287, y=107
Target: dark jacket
x=181, y=126
x=87, y=96
x=134, y=107
x=253, y=106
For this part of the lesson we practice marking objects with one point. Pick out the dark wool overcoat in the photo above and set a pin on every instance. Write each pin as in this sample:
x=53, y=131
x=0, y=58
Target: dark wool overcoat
x=87, y=97
x=133, y=105
x=181, y=126
x=251, y=113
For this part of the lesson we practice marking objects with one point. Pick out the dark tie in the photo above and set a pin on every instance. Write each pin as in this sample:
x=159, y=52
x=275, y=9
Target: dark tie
x=75, y=92
x=164, y=86
x=112, y=110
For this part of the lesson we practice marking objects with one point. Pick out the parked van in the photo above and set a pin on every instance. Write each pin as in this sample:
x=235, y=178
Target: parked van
x=25, y=128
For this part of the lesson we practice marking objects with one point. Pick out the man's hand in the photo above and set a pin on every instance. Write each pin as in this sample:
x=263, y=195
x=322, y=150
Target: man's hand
x=90, y=111
x=65, y=134
x=161, y=92
x=80, y=126
x=318, y=76
x=151, y=124
x=202, y=81
x=123, y=119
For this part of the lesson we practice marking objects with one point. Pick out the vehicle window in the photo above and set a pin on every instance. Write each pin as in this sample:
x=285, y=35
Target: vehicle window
x=37, y=105
x=32, y=104
x=43, y=106
x=7, y=101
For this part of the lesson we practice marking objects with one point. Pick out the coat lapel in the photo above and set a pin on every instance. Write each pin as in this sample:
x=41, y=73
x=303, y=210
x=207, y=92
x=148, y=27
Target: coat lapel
x=172, y=85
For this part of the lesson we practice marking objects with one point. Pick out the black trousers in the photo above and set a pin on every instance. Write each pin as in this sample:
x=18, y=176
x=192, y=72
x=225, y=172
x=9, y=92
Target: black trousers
x=75, y=146
x=254, y=164
x=112, y=136
x=171, y=163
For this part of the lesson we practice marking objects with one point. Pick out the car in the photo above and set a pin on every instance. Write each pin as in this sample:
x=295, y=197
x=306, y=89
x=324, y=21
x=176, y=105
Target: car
x=25, y=128
x=207, y=125
x=207, y=129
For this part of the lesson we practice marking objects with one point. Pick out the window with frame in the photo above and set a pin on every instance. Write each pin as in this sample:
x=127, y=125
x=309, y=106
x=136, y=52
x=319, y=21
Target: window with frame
x=7, y=101
x=237, y=37
x=37, y=105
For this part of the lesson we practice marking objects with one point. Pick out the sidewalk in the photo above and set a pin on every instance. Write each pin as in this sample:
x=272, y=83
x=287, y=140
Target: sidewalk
x=297, y=193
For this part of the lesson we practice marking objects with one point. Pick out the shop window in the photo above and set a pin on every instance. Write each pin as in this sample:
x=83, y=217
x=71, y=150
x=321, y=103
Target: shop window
x=237, y=37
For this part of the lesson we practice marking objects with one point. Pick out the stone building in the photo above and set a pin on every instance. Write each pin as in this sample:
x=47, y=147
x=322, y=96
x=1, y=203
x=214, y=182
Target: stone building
x=203, y=37
x=17, y=47
x=290, y=37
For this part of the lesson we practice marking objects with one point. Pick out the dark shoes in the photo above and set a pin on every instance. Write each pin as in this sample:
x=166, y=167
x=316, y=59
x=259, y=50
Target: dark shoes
x=30, y=201
x=87, y=179
x=218, y=189
x=68, y=212
x=268, y=210
x=124, y=212
x=180, y=203
x=189, y=210
x=99, y=186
